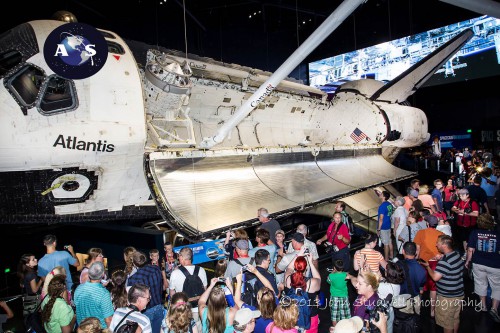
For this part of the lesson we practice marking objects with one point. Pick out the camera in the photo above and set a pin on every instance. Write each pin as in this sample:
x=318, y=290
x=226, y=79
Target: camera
x=244, y=268
x=66, y=247
x=383, y=305
x=422, y=261
x=306, y=251
x=467, y=210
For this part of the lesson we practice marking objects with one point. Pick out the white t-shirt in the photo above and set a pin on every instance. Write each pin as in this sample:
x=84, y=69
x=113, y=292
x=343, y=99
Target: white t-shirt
x=385, y=289
x=402, y=214
x=177, y=279
x=445, y=229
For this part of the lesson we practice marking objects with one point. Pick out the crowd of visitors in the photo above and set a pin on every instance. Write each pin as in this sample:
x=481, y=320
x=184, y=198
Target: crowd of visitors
x=423, y=243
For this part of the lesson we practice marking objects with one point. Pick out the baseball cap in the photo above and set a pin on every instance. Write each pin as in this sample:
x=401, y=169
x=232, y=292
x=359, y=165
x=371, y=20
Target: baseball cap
x=298, y=237
x=279, y=231
x=243, y=316
x=432, y=220
x=414, y=193
x=242, y=244
x=351, y=325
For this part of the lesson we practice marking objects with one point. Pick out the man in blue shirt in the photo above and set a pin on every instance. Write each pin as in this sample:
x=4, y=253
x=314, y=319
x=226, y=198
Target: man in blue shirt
x=415, y=271
x=384, y=224
x=55, y=258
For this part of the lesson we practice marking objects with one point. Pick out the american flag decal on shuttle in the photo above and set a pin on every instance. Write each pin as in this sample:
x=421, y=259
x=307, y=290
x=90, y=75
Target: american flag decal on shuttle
x=357, y=135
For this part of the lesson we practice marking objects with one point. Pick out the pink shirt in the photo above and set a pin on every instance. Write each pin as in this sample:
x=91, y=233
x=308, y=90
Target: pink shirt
x=335, y=240
x=271, y=328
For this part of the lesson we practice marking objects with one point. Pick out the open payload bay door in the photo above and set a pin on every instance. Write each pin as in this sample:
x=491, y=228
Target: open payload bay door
x=202, y=193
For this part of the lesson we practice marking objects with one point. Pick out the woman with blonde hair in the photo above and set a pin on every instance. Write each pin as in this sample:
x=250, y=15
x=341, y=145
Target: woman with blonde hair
x=217, y=316
x=179, y=318
x=426, y=198
x=367, y=285
x=55, y=271
x=57, y=315
x=90, y=325
x=94, y=254
x=284, y=319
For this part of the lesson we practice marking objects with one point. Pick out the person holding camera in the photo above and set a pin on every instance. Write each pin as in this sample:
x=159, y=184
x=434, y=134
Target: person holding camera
x=218, y=317
x=338, y=236
x=365, y=305
x=55, y=258
x=467, y=212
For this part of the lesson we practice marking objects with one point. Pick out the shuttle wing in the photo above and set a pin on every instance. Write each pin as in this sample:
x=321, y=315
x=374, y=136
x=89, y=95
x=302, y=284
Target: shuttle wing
x=414, y=77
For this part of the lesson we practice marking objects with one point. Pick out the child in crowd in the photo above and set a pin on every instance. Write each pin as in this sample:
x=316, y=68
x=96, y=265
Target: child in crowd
x=154, y=255
x=339, y=301
x=179, y=317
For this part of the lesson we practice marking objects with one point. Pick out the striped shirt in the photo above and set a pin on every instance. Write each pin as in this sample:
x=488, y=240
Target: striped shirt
x=372, y=258
x=136, y=316
x=451, y=268
x=93, y=300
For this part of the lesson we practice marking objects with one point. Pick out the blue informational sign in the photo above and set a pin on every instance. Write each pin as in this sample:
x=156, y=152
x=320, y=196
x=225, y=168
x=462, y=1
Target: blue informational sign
x=205, y=251
x=453, y=139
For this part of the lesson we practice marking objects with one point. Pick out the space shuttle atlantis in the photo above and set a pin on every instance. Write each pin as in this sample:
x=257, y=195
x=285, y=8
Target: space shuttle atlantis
x=202, y=143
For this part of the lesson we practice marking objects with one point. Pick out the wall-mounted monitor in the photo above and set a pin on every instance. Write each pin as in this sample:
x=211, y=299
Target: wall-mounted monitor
x=480, y=57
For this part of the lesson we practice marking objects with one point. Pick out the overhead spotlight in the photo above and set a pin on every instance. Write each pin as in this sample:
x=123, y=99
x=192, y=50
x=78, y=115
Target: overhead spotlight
x=250, y=16
x=303, y=22
x=255, y=13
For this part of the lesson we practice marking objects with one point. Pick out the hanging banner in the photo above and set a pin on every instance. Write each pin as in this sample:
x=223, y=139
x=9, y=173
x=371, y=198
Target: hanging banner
x=205, y=251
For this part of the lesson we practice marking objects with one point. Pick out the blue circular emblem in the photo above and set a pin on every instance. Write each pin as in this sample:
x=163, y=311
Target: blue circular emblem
x=75, y=51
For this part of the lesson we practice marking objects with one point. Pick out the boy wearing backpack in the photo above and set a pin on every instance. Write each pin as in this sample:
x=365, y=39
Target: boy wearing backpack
x=189, y=279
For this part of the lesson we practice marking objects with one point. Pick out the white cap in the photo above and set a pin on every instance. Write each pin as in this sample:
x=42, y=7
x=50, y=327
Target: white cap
x=351, y=325
x=243, y=316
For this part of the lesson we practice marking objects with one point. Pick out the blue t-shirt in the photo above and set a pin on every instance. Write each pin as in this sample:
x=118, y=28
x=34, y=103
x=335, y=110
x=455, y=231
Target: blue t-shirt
x=436, y=194
x=54, y=259
x=418, y=276
x=487, y=250
x=385, y=208
x=487, y=187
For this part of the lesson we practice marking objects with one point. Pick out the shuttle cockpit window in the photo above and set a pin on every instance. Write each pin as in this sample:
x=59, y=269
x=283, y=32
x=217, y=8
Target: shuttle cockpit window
x=25, y=84
x=9, y=60
x=115, y=48
x=57, y=95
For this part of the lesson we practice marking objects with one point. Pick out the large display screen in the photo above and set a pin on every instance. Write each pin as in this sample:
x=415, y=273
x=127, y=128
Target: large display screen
x=480, y=57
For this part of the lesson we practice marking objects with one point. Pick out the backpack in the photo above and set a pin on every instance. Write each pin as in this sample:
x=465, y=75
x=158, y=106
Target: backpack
x=300, y=297
x=130, y=326
x=193, y=286
x=406, y=323
x=33, y=320
x=249, y=290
